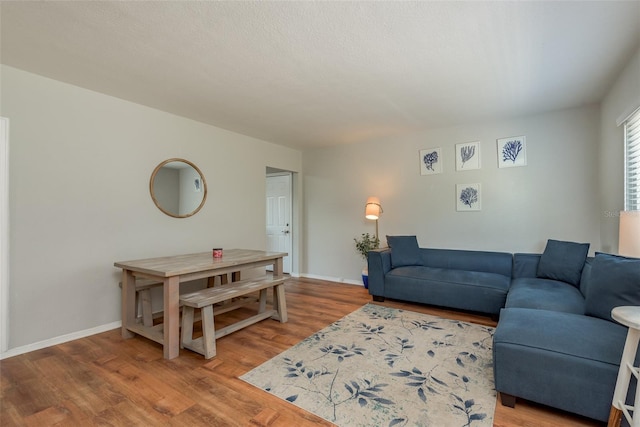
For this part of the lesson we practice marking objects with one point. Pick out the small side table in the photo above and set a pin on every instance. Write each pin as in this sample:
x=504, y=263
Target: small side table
x=628, y=316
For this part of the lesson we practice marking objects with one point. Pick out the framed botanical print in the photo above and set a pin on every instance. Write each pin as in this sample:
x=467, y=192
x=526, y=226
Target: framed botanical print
x=468, y=156
x=430, y=161
x=512, y=152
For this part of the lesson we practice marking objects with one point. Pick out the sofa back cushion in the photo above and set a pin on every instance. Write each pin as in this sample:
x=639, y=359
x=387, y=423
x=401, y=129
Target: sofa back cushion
x=614, y=281
x=525, y=265
x=481, y=261
x=404, y=251
x=586, y=275
x=563, y=261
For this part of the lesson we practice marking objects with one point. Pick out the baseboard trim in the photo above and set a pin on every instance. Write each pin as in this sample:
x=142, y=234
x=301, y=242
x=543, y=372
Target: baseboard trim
x=332, y=279
x=59, y=340
x=99, y=329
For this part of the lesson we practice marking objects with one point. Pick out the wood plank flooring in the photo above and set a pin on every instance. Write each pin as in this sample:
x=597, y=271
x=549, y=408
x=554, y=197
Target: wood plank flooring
x=104, y=380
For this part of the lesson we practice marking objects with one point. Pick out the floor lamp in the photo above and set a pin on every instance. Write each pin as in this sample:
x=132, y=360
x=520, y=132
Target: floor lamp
x=372, y=210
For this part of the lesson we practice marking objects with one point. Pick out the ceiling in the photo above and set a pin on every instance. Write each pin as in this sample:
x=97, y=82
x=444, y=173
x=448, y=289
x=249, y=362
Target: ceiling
x=313, y=74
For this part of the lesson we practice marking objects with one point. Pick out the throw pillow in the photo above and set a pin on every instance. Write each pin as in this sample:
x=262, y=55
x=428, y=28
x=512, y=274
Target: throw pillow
x=404, y=251
x=615, y=281
x=563, y=261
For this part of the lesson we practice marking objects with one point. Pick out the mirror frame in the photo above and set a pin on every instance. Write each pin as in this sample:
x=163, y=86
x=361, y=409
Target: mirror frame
x=204, y=187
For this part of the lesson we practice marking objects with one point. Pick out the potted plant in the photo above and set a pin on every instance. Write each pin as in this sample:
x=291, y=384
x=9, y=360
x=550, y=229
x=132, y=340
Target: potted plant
x=365, y=244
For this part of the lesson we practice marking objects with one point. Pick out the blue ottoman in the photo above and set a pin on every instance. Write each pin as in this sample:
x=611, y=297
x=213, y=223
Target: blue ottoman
x=564, y=360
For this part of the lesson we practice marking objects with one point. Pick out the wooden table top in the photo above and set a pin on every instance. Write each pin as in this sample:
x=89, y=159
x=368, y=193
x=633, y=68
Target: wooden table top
x=192, y=263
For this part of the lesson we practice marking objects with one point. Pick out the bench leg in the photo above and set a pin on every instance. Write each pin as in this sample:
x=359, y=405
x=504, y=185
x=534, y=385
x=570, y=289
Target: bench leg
x=187, y=327
x=208, y=332
x=280, y=302
x=263, y=301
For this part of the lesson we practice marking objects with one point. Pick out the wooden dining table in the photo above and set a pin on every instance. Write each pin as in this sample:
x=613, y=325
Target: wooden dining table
x=171, y=271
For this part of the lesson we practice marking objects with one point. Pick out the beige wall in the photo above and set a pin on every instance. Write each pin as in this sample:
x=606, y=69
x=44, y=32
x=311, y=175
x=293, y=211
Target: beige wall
x=621, y=100
x=554, y=196
x=80, y=164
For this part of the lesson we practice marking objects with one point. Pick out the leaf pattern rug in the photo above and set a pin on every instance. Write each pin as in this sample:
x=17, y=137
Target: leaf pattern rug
x=381, y=366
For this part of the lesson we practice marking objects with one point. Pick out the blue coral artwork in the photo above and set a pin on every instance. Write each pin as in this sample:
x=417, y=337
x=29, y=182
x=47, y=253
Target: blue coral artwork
x=512, y=152
x=468, y=197
x=468, y=156
x=430, y=161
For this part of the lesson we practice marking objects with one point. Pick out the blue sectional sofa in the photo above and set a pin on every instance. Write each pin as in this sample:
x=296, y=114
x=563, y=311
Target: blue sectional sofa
x=465, y=280
x=555, y=342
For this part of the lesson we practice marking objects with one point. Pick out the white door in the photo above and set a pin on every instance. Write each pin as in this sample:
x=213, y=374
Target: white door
x=279, y=217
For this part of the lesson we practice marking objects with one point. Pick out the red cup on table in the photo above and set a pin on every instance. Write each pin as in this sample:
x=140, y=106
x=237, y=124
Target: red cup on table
x=217, y=252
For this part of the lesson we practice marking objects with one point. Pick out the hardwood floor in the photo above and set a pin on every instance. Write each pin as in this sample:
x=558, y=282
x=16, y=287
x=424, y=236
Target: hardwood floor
x=105, y=380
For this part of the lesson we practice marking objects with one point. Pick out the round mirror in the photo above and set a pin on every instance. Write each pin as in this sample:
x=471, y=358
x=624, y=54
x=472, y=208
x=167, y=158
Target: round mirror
x=178, y=188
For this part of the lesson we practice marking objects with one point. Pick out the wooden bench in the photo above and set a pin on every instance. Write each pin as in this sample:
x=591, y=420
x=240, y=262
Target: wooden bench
x=205, y=300
x=144, y=310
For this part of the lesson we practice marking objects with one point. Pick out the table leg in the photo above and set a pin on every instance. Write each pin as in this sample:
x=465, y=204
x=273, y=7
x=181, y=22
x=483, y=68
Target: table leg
x=171, y=291
x=624, y=376
x=615, y=417
x=128, y=302
x=280, y=303
x=277, y=268
x=279, y=300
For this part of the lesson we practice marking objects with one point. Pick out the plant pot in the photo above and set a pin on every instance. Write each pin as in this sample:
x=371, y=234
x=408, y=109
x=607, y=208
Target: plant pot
x=365, y=277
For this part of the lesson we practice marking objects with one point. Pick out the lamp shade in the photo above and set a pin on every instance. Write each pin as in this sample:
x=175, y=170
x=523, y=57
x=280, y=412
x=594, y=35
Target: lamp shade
x=629, y=240
x=372, y=209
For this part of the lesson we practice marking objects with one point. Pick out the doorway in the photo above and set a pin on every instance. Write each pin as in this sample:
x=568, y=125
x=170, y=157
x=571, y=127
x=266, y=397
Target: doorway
x=279, y=218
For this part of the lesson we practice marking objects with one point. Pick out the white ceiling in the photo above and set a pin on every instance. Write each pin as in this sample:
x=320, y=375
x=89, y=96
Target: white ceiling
x=311, y=74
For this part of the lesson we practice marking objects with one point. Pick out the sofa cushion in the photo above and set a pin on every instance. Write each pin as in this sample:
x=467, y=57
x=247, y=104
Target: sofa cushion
x=615, y=281
x=567, y=333
x=404, y=251
x=466, y=290
x=563, y=261
x=545, y=294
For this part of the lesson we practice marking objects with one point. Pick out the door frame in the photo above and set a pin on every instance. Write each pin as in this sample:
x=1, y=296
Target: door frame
x=4, y=234
x=293, y=218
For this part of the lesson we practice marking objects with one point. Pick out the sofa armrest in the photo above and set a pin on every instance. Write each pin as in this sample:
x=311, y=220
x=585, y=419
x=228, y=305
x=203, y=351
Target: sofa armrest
x=379, y=264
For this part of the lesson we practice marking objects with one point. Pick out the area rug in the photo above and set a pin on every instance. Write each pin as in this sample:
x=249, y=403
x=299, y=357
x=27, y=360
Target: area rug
x=382, y=366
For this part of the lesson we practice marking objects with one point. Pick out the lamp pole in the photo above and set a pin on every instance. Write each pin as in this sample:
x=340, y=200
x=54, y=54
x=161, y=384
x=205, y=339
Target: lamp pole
x=372, y=211
x=376, y=228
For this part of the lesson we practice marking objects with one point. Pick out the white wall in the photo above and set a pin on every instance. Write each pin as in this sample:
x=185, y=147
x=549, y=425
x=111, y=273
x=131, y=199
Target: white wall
x=621, y=100
x=555, y=196
x=79, y=198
